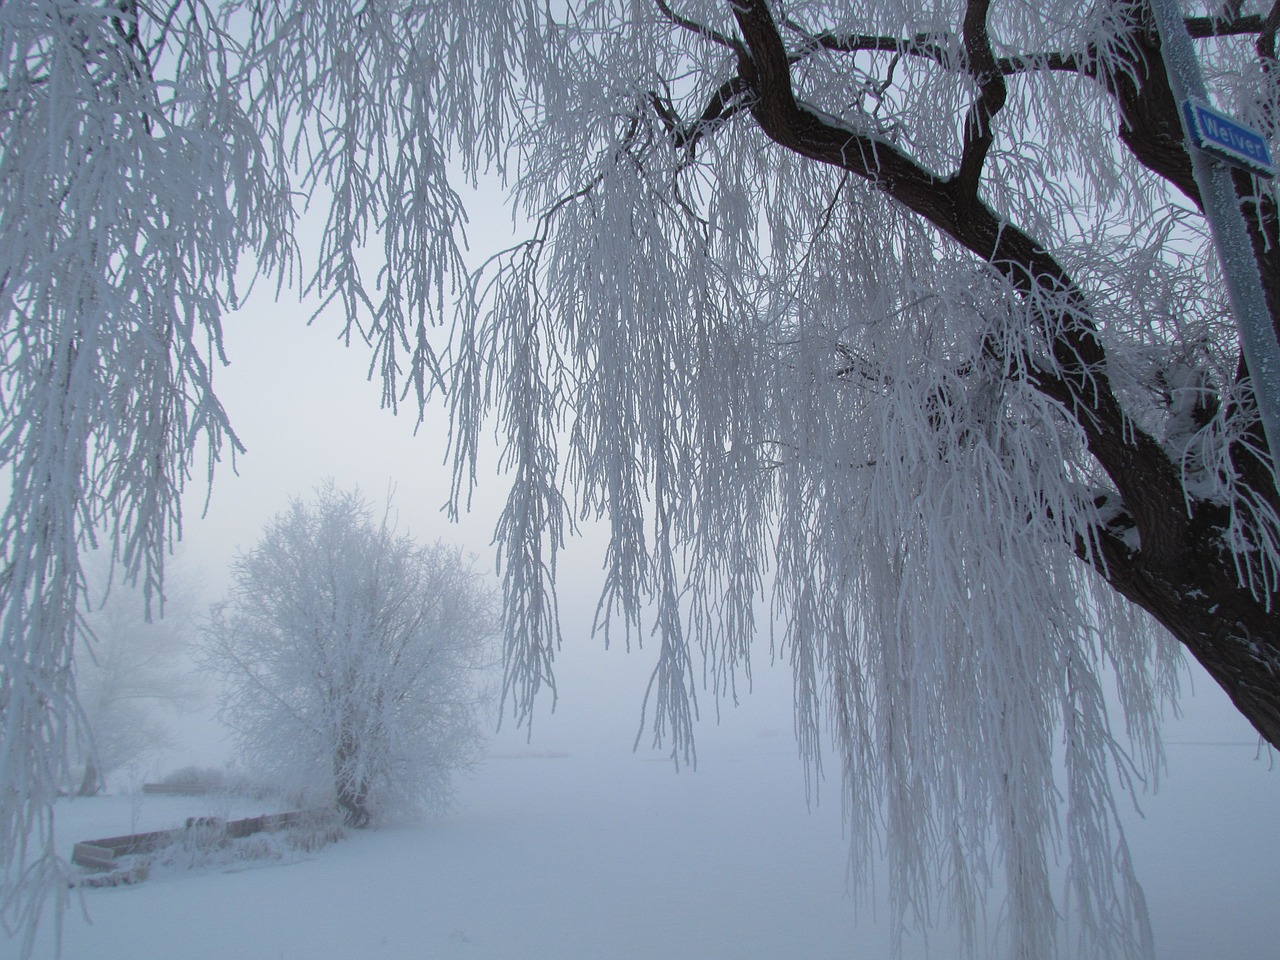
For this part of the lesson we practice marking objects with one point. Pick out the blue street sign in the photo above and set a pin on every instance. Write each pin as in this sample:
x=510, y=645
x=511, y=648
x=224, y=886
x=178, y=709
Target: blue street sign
x=1229, y=139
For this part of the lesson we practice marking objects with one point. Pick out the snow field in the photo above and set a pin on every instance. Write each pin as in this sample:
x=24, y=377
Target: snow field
x=607, y=855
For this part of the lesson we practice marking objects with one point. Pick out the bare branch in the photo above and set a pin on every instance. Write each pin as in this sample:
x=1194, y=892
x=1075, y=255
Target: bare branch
x=930, y=46
x=727, y=101
x=1267, y=37
x=1202, y=27
x=991, y=97
x=694, y=27
x=938, y=47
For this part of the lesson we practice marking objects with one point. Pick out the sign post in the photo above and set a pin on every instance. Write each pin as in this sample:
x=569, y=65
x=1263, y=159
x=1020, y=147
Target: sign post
x=1212, y=136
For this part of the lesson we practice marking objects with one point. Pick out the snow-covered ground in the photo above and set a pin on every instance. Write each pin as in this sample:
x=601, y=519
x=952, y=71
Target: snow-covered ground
x=558, y=857
x=605, y=854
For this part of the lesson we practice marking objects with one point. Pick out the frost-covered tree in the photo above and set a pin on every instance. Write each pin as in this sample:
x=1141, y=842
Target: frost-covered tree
x=352, y=659
x=900, y=311
x=129, y=670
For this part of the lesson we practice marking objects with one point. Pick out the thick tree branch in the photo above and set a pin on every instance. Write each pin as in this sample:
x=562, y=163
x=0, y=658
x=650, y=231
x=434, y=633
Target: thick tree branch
x=939, y=47
x=1228, y=633
x=1180, y=572
x=1078, y=378
x=1267, y=36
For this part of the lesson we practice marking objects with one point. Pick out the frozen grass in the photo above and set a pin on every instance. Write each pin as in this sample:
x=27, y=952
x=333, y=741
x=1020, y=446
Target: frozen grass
x=205, y=843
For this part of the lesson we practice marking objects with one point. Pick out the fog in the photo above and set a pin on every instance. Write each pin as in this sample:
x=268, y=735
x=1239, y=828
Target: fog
x=566, y=842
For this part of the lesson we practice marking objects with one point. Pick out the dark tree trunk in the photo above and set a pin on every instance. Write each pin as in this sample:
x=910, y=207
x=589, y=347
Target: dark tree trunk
x=91, y=782
x=1233, y=636
x=353, y=798
x=351, y=790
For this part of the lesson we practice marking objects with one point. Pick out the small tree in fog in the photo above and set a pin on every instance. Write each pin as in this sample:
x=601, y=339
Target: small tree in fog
x=352, y=658
x=128, y=669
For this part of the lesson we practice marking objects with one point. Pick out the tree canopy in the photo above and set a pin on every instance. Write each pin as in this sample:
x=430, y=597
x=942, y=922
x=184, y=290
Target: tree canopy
x=901, y=313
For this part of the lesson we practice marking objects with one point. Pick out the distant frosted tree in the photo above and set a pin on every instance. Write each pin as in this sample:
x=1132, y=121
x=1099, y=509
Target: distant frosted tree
x=353, y=659
x=903, y=311
x=129, y=671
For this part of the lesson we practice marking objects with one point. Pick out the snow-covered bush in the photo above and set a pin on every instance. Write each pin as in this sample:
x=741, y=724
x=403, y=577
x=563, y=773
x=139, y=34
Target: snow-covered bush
x=353, y=659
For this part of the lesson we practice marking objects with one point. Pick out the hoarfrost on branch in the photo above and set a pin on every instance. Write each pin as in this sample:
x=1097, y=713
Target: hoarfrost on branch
x=902, y=314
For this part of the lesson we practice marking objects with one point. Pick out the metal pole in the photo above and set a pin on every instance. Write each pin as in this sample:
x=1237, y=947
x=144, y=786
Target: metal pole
x=1227, y=226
